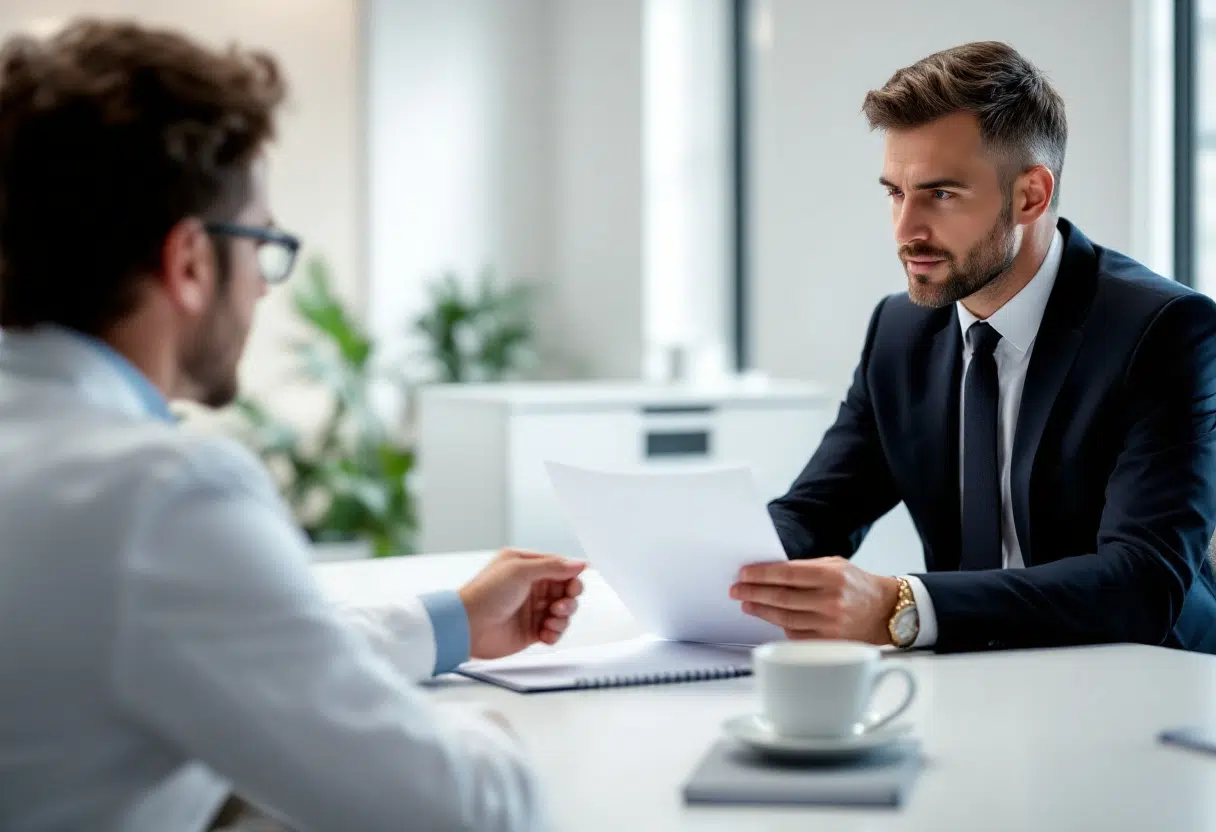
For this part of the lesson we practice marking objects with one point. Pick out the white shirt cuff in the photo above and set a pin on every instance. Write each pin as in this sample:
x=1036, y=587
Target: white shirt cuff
x=401, y=633
x=927, y=637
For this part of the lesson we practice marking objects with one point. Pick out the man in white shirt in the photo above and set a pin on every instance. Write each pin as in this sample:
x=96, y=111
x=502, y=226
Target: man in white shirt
x=1044, y=407
x=165, y=646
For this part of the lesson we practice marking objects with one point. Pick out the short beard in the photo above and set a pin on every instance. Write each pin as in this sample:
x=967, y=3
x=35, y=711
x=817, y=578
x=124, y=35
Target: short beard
x=208, y=361
x=988, y=261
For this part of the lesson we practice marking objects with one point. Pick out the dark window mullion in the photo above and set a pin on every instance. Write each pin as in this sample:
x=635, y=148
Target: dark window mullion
x=740, y=79
x=1187, y=141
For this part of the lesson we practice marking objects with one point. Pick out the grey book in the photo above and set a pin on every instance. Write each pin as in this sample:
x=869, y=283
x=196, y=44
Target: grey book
x=734, y=774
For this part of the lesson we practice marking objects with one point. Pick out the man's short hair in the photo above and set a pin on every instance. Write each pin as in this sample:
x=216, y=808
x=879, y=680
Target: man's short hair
x=1020, y=114
x=110, y=134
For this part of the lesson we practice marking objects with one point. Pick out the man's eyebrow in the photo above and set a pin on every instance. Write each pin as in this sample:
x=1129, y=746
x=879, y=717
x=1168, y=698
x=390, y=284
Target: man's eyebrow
x=931, y=185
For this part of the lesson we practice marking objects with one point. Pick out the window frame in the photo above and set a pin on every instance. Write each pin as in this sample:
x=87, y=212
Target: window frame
x=740, y=77
x=1186, y=139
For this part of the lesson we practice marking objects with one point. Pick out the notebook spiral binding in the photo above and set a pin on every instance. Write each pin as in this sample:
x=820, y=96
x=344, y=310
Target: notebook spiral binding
x=699, y=675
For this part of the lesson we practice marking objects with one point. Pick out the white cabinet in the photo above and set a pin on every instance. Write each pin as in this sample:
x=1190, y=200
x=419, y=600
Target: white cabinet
x=482, y=448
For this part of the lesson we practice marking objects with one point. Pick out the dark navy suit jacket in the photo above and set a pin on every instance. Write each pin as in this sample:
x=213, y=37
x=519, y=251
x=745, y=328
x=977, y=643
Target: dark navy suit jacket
x=1113, y=476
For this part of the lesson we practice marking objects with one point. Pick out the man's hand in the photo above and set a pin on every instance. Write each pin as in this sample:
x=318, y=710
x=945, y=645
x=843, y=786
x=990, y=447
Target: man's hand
x=519, y=599
x=821, y=598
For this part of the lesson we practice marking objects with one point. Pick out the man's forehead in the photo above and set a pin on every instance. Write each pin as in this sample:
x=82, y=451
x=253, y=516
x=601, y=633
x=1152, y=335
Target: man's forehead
x=951, y=139
x=930, y=160
x=913, y=172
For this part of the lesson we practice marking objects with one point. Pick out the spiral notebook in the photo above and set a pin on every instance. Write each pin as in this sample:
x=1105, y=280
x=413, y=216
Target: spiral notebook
x=640, y=661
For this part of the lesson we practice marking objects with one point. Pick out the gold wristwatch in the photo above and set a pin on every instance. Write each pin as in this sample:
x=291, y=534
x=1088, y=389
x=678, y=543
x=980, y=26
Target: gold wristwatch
x=904, y=625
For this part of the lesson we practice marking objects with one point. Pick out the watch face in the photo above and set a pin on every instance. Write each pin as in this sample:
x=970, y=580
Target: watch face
x=906, y=626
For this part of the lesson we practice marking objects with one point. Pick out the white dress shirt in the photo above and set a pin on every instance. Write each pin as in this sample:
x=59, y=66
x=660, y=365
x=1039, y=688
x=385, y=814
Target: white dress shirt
x=165, y=643
x=1018, y=323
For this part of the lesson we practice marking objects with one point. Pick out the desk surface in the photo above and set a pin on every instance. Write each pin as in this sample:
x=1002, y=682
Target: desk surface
x=1029, y=740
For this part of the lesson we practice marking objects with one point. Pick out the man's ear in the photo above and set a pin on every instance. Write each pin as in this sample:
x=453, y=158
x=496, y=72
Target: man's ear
x=188, y=266
x=1032, y=194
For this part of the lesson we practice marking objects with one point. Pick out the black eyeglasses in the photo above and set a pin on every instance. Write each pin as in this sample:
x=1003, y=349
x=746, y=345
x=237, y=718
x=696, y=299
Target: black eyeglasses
x=276, y=249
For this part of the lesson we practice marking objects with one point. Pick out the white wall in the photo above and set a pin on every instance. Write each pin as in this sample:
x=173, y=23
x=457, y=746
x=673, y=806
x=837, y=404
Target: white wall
x=822, y=252
x=459, y=147
x=596, y=319
x=509, y=135
x=314, y=178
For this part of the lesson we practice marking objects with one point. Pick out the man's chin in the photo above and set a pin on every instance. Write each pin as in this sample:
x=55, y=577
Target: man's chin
x=929, y=295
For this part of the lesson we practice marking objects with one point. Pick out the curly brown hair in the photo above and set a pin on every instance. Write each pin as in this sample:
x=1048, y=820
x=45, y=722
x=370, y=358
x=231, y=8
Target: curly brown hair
x=110, y=134
x=1020, y=114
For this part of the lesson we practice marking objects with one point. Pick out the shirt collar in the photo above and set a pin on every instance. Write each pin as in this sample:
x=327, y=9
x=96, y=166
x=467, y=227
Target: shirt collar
x=88, y=364
x=1018, y=320
x=154, y=402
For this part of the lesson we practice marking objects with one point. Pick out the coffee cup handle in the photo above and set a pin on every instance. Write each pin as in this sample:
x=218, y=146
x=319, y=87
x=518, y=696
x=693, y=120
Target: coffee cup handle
x=874, y=721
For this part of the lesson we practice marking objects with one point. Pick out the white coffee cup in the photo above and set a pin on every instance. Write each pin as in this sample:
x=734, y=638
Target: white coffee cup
x=823, y=688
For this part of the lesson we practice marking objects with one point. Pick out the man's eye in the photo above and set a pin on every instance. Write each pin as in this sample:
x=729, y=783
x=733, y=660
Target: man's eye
x=894, y=192
x=942, y=195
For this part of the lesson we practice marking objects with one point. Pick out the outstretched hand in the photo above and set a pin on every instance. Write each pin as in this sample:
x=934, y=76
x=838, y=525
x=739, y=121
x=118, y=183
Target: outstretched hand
x=520, y=598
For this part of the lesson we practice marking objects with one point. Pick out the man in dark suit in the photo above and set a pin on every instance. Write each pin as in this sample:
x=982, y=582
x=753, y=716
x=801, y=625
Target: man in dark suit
x=1043, y=406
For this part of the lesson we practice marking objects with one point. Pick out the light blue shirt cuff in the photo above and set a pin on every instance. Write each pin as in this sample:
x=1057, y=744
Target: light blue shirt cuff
x=924, y=611
x=450, y=622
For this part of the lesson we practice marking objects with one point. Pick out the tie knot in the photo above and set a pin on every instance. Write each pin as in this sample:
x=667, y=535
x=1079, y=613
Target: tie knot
x=983, y=338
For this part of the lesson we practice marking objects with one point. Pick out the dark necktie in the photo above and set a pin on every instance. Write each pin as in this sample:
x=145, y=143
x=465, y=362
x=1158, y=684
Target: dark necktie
x=981, y=473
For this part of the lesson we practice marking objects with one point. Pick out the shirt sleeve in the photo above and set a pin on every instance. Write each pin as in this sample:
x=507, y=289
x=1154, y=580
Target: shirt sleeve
x=450, y=622
x=420, y=637
x=225, y=647
x=927, y=637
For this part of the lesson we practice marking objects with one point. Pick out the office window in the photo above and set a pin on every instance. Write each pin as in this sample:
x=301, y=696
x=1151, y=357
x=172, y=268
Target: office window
x=1195, y=143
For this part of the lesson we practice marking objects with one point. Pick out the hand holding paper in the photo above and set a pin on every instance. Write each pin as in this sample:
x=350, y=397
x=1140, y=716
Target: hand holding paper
x=672, y=544
x=821, y=598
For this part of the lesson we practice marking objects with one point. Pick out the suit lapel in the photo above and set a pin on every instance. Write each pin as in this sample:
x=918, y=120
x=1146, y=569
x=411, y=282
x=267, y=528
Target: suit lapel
x=1055, y=349
x=938, y=424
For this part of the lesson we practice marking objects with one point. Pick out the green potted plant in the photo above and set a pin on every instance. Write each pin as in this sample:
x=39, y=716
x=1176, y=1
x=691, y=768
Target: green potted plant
x=348, y=484
x=480, y=334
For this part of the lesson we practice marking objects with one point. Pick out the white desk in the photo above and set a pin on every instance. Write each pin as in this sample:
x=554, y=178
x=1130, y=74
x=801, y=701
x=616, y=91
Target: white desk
x=1035, y=740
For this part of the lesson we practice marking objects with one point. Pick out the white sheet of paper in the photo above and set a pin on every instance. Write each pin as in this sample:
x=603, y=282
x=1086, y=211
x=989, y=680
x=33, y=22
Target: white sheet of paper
x=671, y=544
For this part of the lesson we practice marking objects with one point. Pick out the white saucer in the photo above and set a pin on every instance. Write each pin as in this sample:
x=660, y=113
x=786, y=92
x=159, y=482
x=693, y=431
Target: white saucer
x=756, y=731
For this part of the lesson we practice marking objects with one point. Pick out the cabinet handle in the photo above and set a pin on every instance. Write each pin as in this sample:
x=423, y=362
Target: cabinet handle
x=661, y=444
x=678, y=410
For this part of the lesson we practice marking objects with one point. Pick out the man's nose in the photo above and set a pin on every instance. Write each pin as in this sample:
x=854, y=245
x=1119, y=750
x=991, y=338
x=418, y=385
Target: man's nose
x=909, y=225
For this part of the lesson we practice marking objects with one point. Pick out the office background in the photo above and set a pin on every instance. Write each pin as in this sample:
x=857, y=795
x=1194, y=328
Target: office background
x=672, y=173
